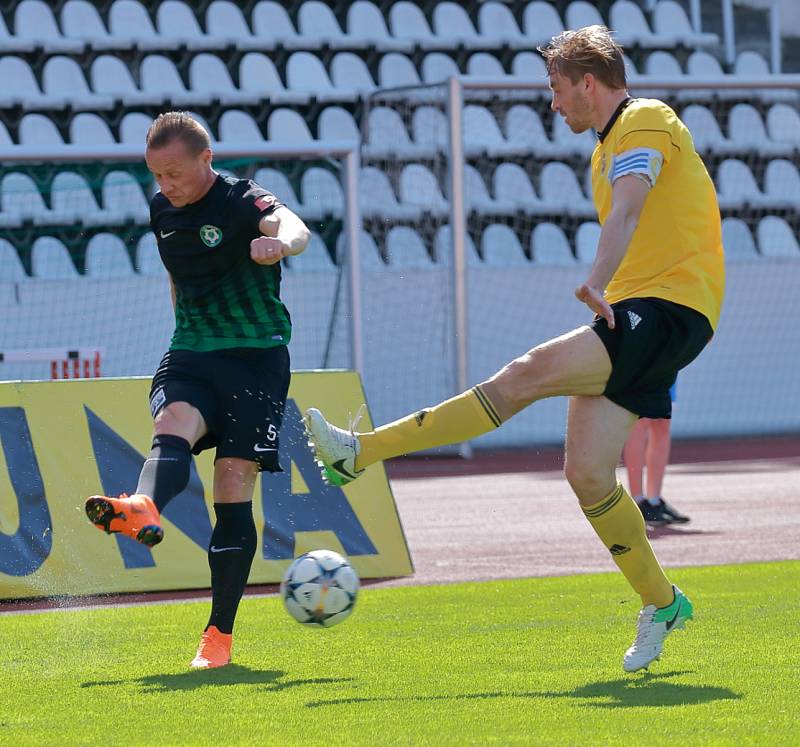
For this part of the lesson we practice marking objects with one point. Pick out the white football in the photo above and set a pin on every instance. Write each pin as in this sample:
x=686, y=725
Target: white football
x=319, y=588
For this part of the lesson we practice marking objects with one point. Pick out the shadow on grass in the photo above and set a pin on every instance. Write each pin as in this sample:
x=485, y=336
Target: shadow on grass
x=651, y=690
x=233, y=674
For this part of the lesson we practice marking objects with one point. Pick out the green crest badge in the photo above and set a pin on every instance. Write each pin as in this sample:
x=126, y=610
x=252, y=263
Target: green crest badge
x=210, y=235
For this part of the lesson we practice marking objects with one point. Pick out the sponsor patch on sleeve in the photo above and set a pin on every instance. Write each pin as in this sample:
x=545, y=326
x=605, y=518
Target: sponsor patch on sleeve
x=265, y=202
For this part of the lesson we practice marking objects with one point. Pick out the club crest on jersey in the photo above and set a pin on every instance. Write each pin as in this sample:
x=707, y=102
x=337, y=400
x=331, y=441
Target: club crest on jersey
x=210, y=235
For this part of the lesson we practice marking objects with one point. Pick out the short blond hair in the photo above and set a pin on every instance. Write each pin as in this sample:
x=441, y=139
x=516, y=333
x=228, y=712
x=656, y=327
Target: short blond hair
x=587, y=50
x=178, y=126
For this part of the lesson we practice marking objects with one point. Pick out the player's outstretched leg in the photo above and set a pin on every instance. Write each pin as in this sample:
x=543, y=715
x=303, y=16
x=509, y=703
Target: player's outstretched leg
x=214, y=650
x=135, y=516
x=655, y=624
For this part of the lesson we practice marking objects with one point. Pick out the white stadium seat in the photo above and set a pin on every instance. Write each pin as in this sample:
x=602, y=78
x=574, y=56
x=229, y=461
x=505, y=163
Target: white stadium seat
x=224, y=20
x=377, y=198
x=750, y=63
x=107, y=257
x=395, y=70
x=782, y=184
x=33, y=20
x=128, y=19
x=287, y=126
x=662, y=64
x=482, y=134
x=443, y=248
x=271, y=22
x=148, y=261
x=541, y=22
x=477, y=196
x=525, y=130
x=513, y=187
x=315, y=258
x=236, y=126
x=368, y=254
x=703, y=65
x=208, y=74
x=737, y=241
x=705, y=130
x=496, y=22
x=736, y=186
x=62, y=76
x=671, y=22
x=315, y=20
x=37, y=129
x=418, y=187
x=566, y=141
x=437, y=67
x=404, y=248
x=176, y=20
x=408, y=22
x=500, y=247
x=321, y=193
x=276, y=182
x=306, y=73
x=579, y=13
x=5, y=137
x=746, y=131
x=560, y=191
x=530, y=66
x=586, y=239
x=783, y=125
x=81, y=20
x=366, y=21
x=20, y=200
x=257, y=74
x=387, y=136
x=73, y=201
x=549, y=246
x=123, y=198
x=89, y=129
x=10, y=43
x=336, y=123
x=484, y=65
x=110, y=76
x=159, y=75
x=451, y=22
x=133, y=128
x=20, y=87
x=11, y=269
x=349, y=72
x=429, y=126
x=631, y=27
x=50, y=260
x=776, y=238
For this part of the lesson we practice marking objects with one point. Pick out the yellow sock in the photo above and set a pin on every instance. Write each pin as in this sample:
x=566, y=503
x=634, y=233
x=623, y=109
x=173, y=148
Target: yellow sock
x=461, y=418
x=619, y=524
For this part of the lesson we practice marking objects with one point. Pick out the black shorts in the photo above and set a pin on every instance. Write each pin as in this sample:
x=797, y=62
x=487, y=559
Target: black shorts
x=651, y=341
x=241, y=394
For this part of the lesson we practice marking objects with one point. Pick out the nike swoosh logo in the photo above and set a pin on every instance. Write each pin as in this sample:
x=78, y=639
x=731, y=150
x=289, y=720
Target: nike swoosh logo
x=339, y=467
x=223, y=549
x=259, y=448
x=167, y=235
x=671, y=622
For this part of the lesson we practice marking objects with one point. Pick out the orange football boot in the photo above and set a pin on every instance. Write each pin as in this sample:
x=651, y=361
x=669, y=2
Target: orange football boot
x=136, y=516
x=214, y=650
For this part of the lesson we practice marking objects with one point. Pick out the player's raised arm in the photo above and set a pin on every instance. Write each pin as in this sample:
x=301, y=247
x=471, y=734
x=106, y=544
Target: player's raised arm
x=284, y=235
x=628, y=196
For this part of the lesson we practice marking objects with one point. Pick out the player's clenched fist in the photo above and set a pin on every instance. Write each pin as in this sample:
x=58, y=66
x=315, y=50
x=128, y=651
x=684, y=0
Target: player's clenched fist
x=266, y=251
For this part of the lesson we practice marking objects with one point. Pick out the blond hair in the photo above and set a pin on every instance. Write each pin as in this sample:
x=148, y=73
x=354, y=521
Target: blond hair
x=178, y=126
x=587, y=50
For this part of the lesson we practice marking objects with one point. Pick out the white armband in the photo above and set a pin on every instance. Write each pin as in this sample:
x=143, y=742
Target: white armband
x=644, y=162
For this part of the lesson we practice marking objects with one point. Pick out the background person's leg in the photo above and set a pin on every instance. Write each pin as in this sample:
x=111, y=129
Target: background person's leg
x=597, y=430
x=633, y=456
x=657, y=457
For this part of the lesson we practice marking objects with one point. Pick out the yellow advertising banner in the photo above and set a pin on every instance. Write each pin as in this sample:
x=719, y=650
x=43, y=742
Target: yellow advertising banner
x=65, y=440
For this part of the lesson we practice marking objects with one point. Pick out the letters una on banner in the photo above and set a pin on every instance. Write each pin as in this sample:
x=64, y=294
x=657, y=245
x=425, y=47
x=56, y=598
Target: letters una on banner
x=64, y=440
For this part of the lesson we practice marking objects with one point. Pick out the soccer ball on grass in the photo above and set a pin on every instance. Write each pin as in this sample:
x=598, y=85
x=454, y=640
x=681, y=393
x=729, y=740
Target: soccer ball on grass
x=319, y=588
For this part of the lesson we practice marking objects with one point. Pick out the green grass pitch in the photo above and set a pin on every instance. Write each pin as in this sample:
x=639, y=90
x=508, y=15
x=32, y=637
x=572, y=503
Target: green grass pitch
x=533, y=661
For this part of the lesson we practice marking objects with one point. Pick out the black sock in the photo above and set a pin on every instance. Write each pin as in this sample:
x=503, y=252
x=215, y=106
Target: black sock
x=230, y=555
x=166, y=470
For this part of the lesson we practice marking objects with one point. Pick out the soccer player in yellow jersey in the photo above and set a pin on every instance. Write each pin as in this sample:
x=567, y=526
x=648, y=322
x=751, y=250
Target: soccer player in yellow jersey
x=655, y=288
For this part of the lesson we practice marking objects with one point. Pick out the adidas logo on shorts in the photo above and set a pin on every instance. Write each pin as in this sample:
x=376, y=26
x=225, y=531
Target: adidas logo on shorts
x=634, y=319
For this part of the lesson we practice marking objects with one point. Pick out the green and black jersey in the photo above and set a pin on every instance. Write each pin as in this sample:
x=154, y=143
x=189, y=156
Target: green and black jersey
x=223, y=298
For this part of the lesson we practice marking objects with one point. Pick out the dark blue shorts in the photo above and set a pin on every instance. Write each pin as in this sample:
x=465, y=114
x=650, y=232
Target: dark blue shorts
x=240, y=392
x=651, y=341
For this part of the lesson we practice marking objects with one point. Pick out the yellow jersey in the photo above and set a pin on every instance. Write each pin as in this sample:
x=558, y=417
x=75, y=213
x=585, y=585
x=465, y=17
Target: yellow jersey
x=676, y=250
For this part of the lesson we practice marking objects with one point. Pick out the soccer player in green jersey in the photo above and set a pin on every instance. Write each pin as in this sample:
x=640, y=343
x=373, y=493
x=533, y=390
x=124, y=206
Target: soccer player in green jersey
x=223, y=382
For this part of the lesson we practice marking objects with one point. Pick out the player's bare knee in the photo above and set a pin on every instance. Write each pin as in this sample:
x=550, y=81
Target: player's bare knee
x=588, y=480
x=518, y=383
